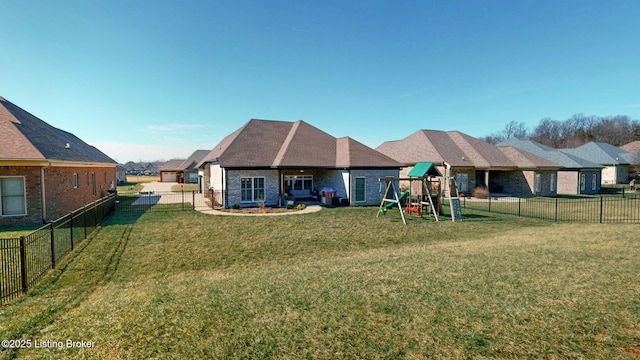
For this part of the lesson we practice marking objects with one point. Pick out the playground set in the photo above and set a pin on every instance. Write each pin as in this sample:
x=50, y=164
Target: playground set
x=424, y=194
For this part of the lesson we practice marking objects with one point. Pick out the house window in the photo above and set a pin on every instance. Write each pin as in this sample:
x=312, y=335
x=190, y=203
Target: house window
x=462, y=182
x=13, y=200
x=252, y=189
x=538, y=183
x=75, y=180
x=299, y=185
x=87, y=179
x=361, y=194
x=594, y=181
x=582, y=181
x=552, y=183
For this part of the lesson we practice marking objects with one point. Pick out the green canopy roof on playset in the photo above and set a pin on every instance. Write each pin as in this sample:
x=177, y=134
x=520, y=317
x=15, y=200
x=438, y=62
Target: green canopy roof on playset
x=424, y=168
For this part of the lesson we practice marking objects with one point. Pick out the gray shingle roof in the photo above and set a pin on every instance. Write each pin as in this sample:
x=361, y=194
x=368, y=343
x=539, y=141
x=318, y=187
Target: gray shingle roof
x=457, y=149
x=602, y=153
x=25, y=137
x=283, y=144
x=566, y=160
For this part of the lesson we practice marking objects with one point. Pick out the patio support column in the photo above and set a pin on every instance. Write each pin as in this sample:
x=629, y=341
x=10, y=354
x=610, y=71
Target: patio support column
x=281, y=181
x=486, y=179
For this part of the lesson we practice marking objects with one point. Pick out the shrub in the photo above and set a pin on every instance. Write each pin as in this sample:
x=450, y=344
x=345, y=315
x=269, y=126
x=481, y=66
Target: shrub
x=289, y=206
x=480, y=193
x=235, y=206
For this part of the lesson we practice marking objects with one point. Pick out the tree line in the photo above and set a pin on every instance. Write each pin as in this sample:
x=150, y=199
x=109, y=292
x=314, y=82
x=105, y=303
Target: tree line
x=573, y=132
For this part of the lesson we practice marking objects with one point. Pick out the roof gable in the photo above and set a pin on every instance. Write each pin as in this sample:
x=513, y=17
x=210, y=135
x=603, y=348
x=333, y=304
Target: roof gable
x=32, y=138
x=351, y=153
x=280, y=144
x=296, y=150
x=453, y=147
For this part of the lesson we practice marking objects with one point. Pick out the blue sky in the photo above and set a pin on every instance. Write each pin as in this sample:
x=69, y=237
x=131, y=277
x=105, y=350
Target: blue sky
x=159, y=79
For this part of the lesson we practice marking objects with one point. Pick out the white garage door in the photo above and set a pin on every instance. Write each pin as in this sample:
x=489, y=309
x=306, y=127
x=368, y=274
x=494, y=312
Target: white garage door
x=169, y=177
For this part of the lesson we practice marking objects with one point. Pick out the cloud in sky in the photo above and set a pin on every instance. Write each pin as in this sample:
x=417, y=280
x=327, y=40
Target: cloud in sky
x=172, y=127
x=124, y=152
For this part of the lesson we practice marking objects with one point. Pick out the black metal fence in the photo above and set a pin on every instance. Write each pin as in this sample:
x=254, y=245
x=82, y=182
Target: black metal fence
x=140, y=201
x=584, y=209
x=24, y=260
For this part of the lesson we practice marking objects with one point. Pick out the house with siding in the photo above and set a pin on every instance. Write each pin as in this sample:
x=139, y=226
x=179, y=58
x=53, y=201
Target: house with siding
x=576, y=176
x=475, y=163
x=269, y=161
x=46, y=172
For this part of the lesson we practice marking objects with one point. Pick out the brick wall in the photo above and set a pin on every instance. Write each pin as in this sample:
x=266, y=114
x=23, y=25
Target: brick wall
x=271, y=186
x=33, y=188
x=61, y=195
x=373, y=188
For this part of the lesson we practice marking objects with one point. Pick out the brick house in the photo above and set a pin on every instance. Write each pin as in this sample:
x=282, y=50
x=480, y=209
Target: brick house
x=46, y=172
x=268, y=162
x=475, y=163
x=183, y=171
x=576, y=176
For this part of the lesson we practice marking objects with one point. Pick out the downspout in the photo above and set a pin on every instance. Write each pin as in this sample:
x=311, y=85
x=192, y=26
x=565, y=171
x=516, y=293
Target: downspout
x=351, y=189
x=43, y=202
x=281, y=200
x=224, y=189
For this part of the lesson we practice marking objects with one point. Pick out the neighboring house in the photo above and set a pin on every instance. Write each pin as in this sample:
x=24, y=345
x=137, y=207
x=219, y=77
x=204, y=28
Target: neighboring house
x=183, y=170
x=632, y=147
x=475, y=163
x=171, y=171
x=576, y=176
x=266, y=161
x=121, y=174
x=45, y=172
x=616, y=161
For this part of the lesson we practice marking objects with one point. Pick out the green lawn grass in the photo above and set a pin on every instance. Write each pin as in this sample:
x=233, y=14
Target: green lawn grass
x=339, y=283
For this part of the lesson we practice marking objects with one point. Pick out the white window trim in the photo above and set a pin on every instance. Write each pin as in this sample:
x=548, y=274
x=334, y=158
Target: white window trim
x=253, y=189
x=24, y=197
x=583, y=181
x=355, y=190
x=553, y=181
x=594, y=181
x=538, y=182
x=75, y=180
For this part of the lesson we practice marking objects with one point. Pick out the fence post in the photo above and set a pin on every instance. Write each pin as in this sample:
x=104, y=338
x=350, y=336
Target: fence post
x=182, y=191
x=53, y=247
x=519, y=205
x=489, y=202
x=71, y=228
x=23, y=264
x=600, y=209
x=84, y=220
x=193, y=198
x=556, y=212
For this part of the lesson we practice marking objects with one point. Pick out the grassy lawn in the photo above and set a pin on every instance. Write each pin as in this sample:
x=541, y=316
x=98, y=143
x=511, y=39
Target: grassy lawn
x=7, y=232
x=592, y=209
x=339, y=283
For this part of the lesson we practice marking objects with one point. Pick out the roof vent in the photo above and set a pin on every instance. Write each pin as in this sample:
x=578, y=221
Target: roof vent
x=67, y=146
